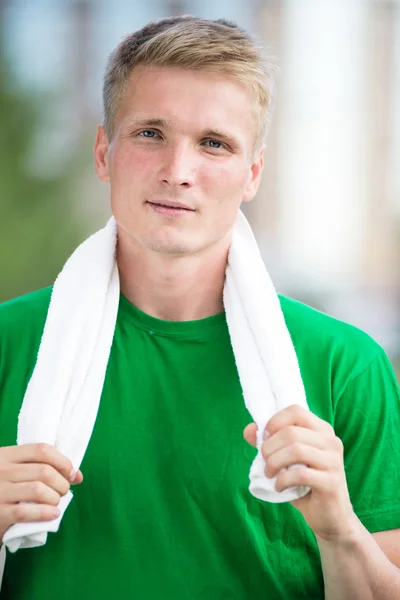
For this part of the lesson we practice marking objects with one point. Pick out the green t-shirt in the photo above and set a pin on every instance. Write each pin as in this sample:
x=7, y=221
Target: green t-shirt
x=164, y=510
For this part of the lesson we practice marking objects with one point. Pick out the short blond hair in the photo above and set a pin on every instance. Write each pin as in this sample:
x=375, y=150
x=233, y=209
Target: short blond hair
x=215, y=46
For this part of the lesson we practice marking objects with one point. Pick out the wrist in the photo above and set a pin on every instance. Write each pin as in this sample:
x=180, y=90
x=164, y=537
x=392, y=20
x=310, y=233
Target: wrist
x=348, y=537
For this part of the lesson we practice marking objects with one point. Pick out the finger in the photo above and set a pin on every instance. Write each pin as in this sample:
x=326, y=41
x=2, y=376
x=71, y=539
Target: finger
x=39, y=453
x=24, y=513
x=19, y=473
x=32, y=491
x=250, y=434
x=301, y=454
x=297, y=415
x=319, y=481
x=293, y=434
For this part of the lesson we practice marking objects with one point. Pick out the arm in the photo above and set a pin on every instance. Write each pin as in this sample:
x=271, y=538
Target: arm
x=356, y=564
x=353, y=564
x=357, y=568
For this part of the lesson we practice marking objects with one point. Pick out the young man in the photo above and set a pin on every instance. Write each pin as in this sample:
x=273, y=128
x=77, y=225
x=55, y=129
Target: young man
x=164, y=510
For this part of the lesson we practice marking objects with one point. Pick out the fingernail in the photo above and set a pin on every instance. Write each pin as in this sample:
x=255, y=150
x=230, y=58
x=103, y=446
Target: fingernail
x=266, y=434
x=72, y=475
x=56, y=512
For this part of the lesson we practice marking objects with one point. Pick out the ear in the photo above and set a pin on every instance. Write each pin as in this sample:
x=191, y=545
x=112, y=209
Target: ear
x=100, y=151
x=253, y=181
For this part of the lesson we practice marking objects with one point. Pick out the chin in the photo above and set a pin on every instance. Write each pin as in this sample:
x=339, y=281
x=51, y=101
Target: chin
x=176, y=247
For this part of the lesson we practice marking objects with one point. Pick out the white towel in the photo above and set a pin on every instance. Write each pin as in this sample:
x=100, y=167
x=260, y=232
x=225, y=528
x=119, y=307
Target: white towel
x=62, y=398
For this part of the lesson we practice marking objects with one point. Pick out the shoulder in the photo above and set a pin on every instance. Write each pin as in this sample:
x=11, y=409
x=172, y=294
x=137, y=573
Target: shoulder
x=30, y=304
x=326, y=346
x=311, y=326
x=21, y=326
x=299, y=316
x=24, y=314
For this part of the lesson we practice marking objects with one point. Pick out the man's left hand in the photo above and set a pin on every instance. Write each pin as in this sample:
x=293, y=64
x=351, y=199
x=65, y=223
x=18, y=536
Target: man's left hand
x=296, y=436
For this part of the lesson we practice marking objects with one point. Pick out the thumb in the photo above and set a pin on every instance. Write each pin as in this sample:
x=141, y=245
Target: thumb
x=250, y=433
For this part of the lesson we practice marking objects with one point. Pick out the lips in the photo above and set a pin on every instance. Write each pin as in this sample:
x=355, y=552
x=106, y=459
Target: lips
x=171, y=204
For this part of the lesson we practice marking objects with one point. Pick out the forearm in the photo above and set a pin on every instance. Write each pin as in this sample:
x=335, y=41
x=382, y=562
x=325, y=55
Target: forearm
x=357, y=569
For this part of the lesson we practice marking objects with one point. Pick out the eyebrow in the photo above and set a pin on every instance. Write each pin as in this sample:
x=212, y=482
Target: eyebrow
x=219, y=134
x=151, y=123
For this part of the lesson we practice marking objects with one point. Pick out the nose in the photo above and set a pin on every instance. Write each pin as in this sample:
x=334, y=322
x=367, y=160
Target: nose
x=177, y=168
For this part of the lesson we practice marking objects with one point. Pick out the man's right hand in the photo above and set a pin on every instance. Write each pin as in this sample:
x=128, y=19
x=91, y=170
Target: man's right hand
x=33, y=477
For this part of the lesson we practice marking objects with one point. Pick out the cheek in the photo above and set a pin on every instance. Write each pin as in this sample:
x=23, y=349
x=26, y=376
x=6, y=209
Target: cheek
x=224, y=182
x=130, y=165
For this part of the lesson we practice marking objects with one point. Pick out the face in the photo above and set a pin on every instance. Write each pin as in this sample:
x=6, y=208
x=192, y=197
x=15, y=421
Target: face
x=181, y=160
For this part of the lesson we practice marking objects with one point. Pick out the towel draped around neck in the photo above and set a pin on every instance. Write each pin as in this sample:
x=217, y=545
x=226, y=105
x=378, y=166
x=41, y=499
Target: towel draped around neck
x=63, y=395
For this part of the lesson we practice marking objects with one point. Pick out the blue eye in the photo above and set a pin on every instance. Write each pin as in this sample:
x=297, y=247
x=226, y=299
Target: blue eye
x=215, y=144
x=148, y=133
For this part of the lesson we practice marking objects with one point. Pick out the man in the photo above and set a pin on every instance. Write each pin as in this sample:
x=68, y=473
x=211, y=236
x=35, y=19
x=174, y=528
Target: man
x=164, y=510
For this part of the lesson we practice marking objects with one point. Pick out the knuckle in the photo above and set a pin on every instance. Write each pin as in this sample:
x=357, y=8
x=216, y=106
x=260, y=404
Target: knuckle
x=293, y=477
x=67, y=466
x=42, y=450
x=291, y=433
x=37, y=490
x=20, y=513
x=46, y=473
x=41, y=493
x=54, y=500
x=4, y=471
x=299, y=474
x=298, y=451
x=63, y=487
x=44, y=513
x=297, y=409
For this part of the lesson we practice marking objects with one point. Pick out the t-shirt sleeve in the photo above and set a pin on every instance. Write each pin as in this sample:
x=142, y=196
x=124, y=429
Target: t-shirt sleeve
x=367, y=419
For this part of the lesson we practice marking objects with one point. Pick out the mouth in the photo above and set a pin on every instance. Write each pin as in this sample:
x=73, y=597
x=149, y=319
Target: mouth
x=168, y=208
x=170, y=204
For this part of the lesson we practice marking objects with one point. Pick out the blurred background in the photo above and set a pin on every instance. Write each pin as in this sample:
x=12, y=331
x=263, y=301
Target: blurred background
x=327, y=216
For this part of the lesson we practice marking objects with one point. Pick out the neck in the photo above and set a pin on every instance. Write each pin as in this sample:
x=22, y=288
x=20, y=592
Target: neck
x=173, y=288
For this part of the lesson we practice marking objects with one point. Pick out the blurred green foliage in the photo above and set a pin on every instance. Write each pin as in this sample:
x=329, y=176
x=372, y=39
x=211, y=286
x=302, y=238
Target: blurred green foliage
x=39, y=226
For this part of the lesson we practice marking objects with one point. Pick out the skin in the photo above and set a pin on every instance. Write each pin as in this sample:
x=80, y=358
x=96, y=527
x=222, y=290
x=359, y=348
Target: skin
x=180, y=161
x=33, y=477
x=298, y=436
x=186, y=136
x=175, y=269
x=189, y=137
x=356, y=565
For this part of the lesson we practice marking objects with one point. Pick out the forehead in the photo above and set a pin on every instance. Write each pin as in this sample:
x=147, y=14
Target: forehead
x=188, y=99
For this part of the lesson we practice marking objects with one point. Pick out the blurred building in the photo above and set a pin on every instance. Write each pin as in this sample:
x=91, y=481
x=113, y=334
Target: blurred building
x=327, y=214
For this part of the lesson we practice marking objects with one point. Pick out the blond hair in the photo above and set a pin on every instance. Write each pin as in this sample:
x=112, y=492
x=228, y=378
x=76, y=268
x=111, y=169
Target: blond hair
x=216, y=46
